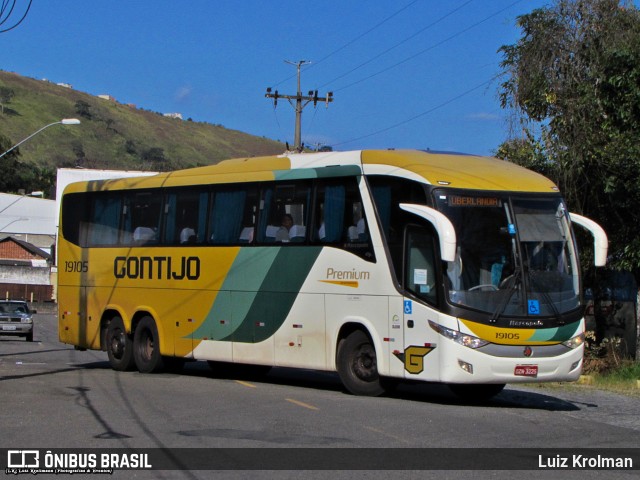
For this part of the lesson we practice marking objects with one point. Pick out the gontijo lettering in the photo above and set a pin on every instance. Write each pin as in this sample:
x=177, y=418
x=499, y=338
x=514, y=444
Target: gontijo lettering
x=159, y=268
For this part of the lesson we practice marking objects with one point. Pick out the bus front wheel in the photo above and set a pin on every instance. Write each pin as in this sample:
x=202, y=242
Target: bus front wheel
x=119, y=346
x=357, y=365
x=146, y=347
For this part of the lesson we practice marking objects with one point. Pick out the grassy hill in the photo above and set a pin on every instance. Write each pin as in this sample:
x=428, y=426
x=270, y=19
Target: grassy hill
x=112, y=135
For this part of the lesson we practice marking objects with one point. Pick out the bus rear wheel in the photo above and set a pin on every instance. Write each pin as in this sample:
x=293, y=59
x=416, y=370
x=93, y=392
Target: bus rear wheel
x=146, y=347
x=119, y=346
x=357, y=365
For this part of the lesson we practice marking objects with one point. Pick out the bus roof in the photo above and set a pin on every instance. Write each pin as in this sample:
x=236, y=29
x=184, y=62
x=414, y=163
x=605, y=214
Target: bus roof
x=454, y=170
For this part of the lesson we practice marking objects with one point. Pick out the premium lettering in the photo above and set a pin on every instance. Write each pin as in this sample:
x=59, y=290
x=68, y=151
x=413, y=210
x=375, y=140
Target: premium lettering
x=347, y=274
x=158, y=268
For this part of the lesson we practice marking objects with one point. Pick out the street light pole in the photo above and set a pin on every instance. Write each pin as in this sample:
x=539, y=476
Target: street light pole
x=64, y=121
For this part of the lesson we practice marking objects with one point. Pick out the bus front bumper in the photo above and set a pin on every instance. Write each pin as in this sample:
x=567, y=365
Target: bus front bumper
x=509, y=364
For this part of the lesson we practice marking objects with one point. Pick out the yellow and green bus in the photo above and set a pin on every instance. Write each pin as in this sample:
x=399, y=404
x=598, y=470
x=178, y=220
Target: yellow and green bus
x=382, y=265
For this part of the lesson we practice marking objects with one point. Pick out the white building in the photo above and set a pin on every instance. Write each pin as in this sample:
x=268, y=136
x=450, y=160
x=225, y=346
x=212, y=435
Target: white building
x=29, y=219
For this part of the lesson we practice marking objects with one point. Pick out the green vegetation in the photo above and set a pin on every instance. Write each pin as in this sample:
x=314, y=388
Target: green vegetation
x=573, y=84
x=112, y=135
x=607, y=368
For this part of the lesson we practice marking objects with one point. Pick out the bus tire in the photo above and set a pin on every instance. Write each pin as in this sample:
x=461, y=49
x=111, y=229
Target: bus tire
x=357, y=365
x=146, y=347
x=476, y=393
x=119, y=346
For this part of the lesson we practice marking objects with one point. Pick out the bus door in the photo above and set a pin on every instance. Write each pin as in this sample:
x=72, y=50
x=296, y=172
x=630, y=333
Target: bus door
x=420, y=284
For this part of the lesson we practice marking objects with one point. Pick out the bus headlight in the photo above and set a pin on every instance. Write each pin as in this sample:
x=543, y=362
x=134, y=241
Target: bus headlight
x=574, y=342
x=458, y=337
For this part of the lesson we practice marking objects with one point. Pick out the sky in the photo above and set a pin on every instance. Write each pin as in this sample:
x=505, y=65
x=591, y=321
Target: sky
x=417, y=74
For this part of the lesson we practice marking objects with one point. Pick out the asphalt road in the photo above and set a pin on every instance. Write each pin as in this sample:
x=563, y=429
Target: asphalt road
x=52, y=396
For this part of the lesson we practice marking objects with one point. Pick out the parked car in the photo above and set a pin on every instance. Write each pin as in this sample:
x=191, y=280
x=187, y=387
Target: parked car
x=16, y=319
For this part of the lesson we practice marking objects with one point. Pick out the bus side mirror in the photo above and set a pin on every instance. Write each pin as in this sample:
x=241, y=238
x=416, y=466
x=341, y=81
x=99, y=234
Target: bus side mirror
x=443, y=226
x=600, y=240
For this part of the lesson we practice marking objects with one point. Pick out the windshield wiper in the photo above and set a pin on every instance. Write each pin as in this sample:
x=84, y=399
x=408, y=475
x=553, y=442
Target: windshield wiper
x=516, y=279
x=546, y=296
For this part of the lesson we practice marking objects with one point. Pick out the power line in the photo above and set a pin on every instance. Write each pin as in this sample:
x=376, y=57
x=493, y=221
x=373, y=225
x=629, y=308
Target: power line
x=398, y=44
x=426, y=112
x=4, y=15
x=365, y=33
x=349, y=43
x=451, y=37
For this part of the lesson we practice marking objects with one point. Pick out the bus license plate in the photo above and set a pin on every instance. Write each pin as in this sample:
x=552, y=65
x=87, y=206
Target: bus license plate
x=526, y=371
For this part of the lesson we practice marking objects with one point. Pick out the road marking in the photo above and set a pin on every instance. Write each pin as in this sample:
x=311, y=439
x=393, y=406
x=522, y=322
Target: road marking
x=381, y=432
x=246, y=384
x=301, y=404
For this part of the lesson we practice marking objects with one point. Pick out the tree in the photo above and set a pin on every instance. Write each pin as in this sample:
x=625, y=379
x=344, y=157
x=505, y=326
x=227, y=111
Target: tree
x=18, y=176
x=6, y=95
x=83, y=109
x=573, y=81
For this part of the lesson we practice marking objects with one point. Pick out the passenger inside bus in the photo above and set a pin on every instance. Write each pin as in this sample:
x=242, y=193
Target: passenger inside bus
x=282, y=235
x=187, y=236
x=357, y=232
x=144, y=235
x=246, y=236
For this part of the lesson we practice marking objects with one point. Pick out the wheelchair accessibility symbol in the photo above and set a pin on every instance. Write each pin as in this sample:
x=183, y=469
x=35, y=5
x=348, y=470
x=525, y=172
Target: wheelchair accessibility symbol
x=534, y=307
x=408, y=307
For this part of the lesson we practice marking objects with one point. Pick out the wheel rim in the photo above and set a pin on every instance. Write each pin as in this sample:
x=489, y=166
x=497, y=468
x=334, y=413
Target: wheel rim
x=364, y=364
x=117, y=344
x=146, y=345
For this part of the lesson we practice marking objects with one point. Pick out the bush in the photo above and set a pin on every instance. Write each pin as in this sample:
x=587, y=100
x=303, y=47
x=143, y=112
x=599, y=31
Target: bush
x=603, y=357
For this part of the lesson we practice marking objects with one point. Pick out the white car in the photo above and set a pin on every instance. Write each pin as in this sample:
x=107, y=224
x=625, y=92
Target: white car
x=16, y=319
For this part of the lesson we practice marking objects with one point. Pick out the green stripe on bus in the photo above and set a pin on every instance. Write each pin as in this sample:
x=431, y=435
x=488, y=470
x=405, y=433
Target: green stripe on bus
x=277, y=294
x=324, y=172
x=559, y=334
x=258, y=293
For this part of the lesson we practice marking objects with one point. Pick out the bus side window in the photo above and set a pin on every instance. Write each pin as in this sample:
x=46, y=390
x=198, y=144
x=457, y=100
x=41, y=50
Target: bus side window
x=331, y=213
x=185, y=217
x=388, y=193
x=75, y=222
x=142, y=219
x=284, y=213
x=339, y=217
x=103, y=226
x=420, y=271
x=232, y=210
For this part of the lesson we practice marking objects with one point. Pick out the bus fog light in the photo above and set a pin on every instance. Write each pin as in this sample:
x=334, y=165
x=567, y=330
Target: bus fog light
x=575, y=365
x=467, y=367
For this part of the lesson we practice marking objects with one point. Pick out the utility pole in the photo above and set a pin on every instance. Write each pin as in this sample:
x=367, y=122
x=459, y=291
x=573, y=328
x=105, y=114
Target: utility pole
x=301, y=101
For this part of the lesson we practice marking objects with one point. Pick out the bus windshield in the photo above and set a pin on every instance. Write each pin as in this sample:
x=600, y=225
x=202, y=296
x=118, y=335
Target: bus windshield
x=515, y=255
